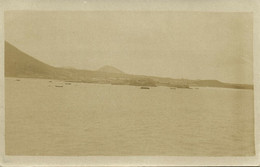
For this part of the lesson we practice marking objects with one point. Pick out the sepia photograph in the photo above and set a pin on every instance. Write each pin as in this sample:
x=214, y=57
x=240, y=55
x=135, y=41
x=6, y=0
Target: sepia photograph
x=129, y=83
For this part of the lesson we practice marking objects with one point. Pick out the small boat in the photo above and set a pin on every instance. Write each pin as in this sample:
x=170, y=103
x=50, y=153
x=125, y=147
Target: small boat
x=58, y=86
x=144, y=87
x=18, y=80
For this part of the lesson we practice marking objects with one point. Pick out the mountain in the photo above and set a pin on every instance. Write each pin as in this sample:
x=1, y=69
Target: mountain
x=110, y=69
x=21, y=65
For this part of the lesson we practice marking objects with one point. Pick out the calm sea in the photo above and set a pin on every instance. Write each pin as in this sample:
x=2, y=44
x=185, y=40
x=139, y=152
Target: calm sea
x=95, y=119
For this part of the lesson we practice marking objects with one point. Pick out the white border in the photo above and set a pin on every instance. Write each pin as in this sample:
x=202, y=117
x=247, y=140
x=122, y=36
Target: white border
x=135, y=5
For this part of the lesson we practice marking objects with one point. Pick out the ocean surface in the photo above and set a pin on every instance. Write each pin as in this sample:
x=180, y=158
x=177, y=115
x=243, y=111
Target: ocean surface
x=52, y=118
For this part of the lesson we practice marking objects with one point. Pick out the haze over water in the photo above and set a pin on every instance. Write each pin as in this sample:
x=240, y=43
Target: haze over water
x=190, y=45
x=155, y=83
x=96, y=119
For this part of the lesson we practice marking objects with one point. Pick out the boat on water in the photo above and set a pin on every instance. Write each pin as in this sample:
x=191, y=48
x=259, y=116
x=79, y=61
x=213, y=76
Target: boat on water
x=144, y=87
x=59, y=86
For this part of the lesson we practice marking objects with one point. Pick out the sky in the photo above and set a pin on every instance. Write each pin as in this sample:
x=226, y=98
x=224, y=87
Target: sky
x=190, y=45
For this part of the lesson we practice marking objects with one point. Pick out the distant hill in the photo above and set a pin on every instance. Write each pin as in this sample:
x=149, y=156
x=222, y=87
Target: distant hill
x=110, y=69
x=21, y=65
x=69, y=67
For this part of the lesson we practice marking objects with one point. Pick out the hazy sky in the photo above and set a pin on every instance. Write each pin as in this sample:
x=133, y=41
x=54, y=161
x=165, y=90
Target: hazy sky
x=190, y=45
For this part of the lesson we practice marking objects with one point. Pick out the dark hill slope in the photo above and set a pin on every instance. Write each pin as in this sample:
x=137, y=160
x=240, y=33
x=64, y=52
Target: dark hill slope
x=21, y=65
